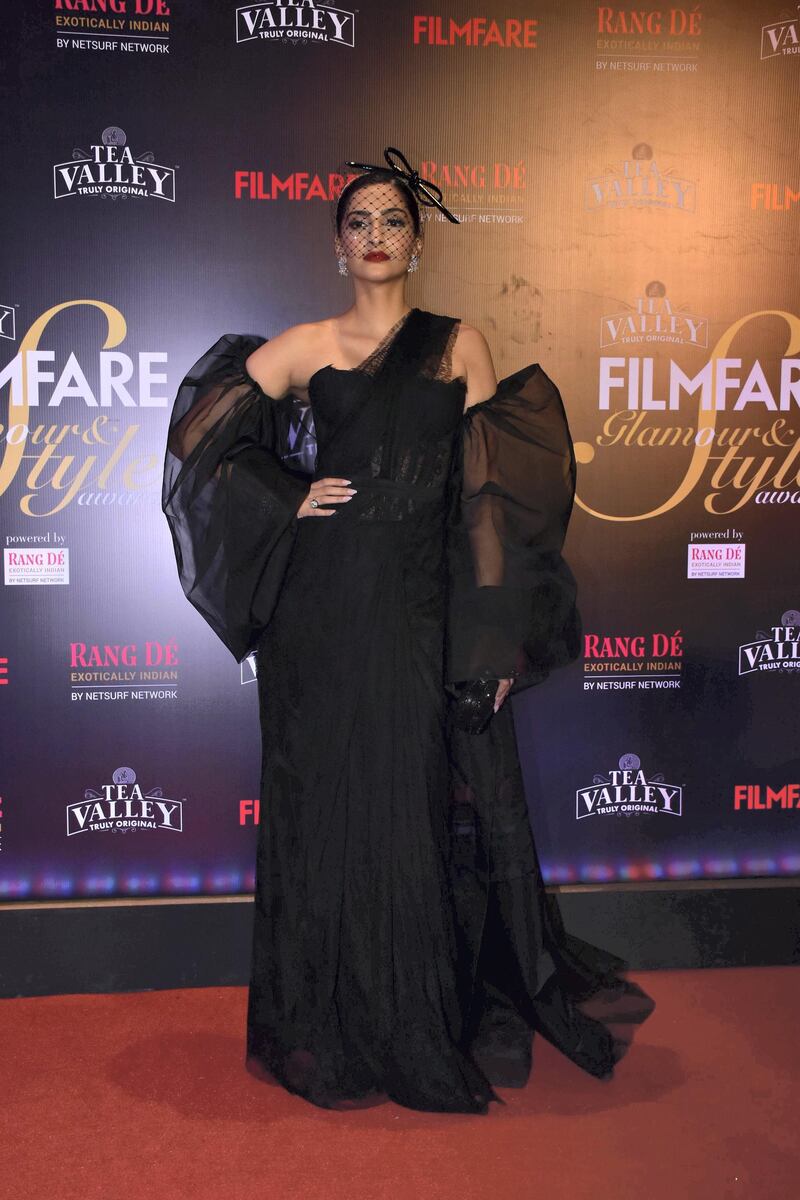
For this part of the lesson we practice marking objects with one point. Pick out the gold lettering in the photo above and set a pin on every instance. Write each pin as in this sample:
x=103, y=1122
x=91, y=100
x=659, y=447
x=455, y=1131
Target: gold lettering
x=585, y=453
x=117, y=330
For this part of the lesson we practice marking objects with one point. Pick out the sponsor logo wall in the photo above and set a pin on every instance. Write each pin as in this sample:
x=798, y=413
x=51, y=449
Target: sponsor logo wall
x=615, y=227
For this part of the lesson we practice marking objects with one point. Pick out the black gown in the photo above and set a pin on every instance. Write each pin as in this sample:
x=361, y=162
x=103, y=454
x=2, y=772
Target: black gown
x=403, y=942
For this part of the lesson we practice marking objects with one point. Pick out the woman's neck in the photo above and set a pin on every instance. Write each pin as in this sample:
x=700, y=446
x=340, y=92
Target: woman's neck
x=377, y=309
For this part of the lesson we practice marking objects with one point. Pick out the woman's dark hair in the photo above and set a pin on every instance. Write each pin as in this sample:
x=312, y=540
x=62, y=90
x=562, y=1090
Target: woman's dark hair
x=380, y=175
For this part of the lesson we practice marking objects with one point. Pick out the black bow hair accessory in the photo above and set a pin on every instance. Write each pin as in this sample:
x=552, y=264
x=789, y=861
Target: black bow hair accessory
x=425, y=191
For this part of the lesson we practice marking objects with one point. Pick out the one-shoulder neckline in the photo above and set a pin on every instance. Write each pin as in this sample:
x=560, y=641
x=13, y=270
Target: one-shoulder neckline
x=457, y=379
x=387, y=338
x=361, y=367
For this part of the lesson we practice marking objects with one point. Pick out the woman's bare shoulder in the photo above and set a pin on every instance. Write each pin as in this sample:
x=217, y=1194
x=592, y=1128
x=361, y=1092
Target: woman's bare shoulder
x=285, y=361
x=470, y=340
x=472, y=358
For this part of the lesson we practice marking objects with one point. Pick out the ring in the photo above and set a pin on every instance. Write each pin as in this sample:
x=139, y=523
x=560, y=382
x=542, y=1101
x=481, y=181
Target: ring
x=315, y=503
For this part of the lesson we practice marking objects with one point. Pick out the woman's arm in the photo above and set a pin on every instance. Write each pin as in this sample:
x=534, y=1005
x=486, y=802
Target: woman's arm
x=512, y=606
x=284, y=363
x=472, y=358
x=270, y=366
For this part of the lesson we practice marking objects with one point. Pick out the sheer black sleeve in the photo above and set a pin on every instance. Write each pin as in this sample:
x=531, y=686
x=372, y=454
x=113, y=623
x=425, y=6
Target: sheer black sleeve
x=512, y=608
x=231, y=492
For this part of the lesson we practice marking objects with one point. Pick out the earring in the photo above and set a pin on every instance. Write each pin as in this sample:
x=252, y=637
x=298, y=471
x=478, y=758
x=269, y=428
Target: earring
x=343, y=265
x=413, y=262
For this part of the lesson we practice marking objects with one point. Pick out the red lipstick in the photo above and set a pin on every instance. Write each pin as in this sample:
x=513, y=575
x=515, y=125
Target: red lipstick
x=376, y=256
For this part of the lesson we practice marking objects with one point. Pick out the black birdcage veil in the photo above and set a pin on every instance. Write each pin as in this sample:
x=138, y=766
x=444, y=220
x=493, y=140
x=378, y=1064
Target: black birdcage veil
x=377, y=213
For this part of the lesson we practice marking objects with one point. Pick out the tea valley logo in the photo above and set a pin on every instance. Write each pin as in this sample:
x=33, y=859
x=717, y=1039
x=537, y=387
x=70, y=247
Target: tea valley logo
x=649, y=40
x=8, y=322
x=653, y=318
x=109, y=169
x=132, y=26
x=776, y=649
x=781, y=37
x=639, y=182
x=295, y=22
x=122, y=806
x=628, y=791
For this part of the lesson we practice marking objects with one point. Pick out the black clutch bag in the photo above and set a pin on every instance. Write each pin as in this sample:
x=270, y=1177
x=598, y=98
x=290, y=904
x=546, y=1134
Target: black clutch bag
x=473, y=704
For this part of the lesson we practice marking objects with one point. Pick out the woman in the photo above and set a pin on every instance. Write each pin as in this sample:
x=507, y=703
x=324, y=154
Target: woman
x=403, y=944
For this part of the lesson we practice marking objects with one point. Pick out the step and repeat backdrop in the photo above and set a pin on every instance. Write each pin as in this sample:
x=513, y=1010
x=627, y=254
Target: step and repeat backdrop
x=628, y=188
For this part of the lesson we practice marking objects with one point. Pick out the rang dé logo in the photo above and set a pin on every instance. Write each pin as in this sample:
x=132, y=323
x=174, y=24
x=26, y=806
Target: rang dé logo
x=648, y=40
x=129, y=26
x=650, y=661
x=124, y=671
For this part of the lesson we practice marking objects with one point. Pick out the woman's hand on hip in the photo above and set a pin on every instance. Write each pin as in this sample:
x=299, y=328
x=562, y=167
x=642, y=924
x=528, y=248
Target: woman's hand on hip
x=325, y=491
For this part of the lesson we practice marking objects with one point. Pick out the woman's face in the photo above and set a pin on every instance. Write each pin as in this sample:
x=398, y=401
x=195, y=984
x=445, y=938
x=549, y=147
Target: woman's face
x=377, y=235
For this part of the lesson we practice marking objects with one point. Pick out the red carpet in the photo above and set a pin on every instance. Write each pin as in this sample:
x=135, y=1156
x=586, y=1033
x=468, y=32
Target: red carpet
x=146, y=1095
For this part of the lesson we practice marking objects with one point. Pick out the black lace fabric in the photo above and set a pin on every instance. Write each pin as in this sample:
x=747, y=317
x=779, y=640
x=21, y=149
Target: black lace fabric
x=403, y=942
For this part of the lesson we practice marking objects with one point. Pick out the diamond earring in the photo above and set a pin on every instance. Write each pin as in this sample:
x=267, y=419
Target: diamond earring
x=343, y=265
x=413, y=262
